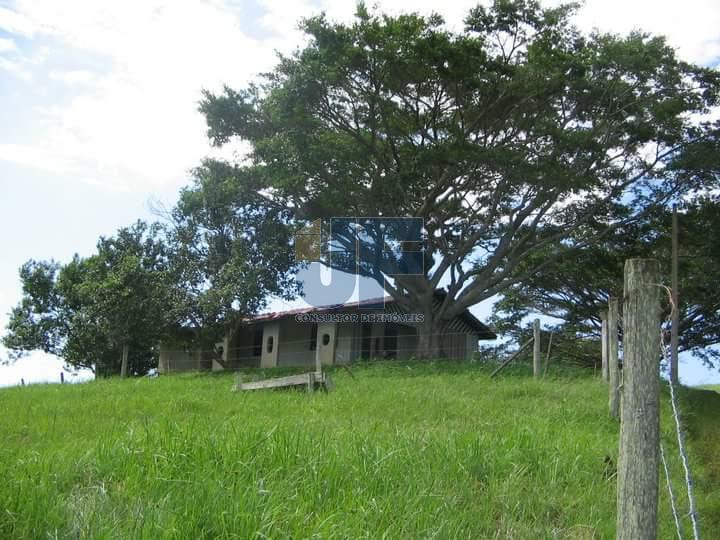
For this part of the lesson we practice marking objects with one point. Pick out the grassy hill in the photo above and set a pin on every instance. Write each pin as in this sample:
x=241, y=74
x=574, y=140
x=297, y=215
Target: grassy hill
x=400, y=451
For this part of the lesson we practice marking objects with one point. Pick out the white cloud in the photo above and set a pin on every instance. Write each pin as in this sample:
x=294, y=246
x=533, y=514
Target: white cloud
x=15, y=68
x=7, y=45
x=8, y=297
x=73, y=77
x=691, y=26
x=34, y=156
x=15, y=23
x=135, y=124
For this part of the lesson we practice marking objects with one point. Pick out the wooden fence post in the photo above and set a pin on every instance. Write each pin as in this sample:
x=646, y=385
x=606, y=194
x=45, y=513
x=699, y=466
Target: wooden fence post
x=613, y=367
x=547, y=356
x=124, y=364
x=604, y=344
x=537, y=364
x=638, y=460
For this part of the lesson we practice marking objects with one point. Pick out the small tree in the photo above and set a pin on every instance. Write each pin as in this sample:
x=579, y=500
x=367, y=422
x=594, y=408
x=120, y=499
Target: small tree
x=230, y=251
x=89, y=310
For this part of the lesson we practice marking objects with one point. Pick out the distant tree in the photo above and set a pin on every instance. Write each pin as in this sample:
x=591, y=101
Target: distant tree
x=576, y=286
x=90, y=309
x=506, y=139
x=225, y=250
x=230, y=250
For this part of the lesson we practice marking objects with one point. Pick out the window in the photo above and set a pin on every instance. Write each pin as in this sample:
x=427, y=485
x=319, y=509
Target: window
x=313, y=336
x=326, y=339
x=270, y=343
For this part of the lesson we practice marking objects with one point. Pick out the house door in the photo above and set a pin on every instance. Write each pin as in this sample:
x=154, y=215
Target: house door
x=365, y=341
x=390, y=341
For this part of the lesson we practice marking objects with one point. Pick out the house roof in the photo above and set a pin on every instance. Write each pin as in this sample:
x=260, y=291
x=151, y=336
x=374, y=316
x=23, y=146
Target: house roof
x=482, y=330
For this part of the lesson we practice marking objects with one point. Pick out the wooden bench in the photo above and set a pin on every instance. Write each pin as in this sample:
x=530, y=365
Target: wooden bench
x=311, y=381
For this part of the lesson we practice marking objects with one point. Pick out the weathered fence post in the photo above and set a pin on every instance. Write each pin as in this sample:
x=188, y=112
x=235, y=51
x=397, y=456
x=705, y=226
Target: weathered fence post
x=537, y=367
x=547, y=356
x=613, y=367
x=604, y=344
x=637, y=478
x=124, y=364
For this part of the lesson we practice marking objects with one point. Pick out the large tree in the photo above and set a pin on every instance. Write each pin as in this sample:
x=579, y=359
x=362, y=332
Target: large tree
x=505, y=138
x=95, y=311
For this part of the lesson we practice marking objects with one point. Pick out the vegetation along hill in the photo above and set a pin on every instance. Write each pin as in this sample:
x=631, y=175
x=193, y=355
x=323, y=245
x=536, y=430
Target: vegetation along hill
x=401, y=450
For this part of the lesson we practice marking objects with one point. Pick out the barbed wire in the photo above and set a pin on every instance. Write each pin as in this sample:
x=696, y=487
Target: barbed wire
x=673, y=505
x=678, y=428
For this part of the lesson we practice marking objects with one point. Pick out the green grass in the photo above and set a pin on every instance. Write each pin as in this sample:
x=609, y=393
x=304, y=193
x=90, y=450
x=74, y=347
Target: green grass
x=401, y=451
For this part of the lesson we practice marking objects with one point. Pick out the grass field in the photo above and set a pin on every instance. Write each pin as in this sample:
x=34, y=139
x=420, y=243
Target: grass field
x=434, y=450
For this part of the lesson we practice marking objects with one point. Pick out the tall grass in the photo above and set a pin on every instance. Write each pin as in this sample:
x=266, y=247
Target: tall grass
x=402, y=450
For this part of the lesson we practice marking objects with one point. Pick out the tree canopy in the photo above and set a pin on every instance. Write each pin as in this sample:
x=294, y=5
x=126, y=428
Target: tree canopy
x=86, y=310
x=230, y=250
x=506, y=138
x=528, y=151
x=575, y=288
x=222, y=254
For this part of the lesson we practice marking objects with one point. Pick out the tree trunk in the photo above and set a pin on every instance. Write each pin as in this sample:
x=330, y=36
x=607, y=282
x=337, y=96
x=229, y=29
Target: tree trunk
x=124, y=364
x=429, y=344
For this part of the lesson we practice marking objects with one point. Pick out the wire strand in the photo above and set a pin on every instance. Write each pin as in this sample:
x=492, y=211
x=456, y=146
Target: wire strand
x=673, y=505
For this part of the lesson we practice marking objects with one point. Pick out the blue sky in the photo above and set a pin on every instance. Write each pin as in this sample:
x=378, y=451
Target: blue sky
x=98, y=107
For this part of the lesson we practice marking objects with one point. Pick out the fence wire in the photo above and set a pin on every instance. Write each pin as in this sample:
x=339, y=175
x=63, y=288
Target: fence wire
x=679, y=432
x=673, y=504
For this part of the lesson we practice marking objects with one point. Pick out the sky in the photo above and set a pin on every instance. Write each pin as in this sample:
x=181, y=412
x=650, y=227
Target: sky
x=98, y=108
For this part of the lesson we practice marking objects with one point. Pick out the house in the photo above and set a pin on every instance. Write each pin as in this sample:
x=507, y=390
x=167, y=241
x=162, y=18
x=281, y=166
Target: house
x=335, y=334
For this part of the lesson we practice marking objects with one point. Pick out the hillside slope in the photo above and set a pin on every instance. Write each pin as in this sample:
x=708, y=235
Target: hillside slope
x=401, y=450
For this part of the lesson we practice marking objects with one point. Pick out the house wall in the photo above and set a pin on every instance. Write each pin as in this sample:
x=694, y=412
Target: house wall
x=326, y=351
x=346, y=348
x=471, y=346
x=292, y=342
x=454, y=345
x=271, y=335
x=295, y=344
x=177, y=360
